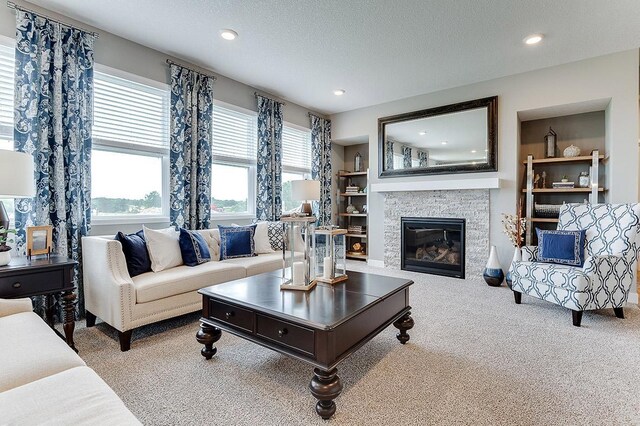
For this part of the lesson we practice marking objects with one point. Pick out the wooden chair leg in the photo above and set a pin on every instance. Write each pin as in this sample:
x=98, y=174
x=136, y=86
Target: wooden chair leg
x=517, y=296
x=125, y=340
x=91, y=319
x=577, y=317
x=619, y=312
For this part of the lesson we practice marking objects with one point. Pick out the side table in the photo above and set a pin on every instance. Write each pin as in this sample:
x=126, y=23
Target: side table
x=24, y=277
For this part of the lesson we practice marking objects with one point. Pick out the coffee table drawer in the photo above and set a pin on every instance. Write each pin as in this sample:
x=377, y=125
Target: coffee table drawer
x=233, y=315
x=285, y=333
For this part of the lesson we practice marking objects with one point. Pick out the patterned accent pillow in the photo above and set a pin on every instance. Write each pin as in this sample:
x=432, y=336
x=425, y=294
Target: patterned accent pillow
x=276, y=236
x=237, y=241
x=193, y=248
x=561, y=246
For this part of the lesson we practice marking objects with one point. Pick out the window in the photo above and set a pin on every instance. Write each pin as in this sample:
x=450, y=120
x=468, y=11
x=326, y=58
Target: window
x=296, y=161
x=130, y=157
x=7, y=69
x=233, y=176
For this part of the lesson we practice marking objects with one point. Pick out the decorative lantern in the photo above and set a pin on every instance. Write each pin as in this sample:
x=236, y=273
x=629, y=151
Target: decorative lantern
x=297, y=273
x=357, y=162
x=550, y=141
x=329, y=254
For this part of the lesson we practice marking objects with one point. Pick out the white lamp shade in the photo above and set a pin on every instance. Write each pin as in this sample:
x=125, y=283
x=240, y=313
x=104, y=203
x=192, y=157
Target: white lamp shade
x=16, y=175
x=305, y=190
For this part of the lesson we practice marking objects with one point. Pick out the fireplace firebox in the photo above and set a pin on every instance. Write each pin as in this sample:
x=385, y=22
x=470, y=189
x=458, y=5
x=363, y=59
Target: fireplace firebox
x=433, y=245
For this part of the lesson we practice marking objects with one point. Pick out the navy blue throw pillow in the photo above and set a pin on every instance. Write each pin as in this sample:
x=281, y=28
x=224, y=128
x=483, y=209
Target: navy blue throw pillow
x=194, y=248
x=135, y=252
x=237, y=241
x=561, y=247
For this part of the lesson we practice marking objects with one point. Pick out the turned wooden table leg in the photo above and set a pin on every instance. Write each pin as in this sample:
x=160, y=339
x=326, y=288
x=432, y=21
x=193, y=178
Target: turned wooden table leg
x=69, y=307
x=325, y=386
x=208, y=335
x=404, y=324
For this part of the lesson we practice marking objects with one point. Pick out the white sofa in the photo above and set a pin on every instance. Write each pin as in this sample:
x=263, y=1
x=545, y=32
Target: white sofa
x=126, y=303
x=42, y=380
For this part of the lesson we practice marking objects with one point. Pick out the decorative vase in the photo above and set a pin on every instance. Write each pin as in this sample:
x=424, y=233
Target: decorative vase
x=517, y=257
x=5, y=258
x=571, y=151
x=493, y=274
x=351, y=209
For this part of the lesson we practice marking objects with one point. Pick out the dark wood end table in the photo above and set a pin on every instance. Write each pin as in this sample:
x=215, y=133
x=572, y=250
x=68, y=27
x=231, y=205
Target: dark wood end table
x=321, y=327
x=43, y=276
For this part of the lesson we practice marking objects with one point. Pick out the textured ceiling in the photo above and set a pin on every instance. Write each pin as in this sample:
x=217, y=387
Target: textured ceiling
x=377, y=50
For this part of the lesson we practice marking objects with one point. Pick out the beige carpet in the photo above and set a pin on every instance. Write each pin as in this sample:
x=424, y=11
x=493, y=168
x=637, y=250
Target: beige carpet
x=474, y=358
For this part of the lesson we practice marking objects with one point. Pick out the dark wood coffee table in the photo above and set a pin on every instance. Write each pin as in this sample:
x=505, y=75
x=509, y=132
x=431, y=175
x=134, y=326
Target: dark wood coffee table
x=321, y=327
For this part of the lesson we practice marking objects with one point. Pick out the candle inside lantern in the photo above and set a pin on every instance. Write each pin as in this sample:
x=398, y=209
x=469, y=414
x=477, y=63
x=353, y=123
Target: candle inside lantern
x=327, y=268
x=298, y=273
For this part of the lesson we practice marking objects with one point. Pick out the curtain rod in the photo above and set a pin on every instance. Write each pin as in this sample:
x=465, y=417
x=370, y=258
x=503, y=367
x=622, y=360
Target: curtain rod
x=256, y=94
x=170, y=62
x=12, y=5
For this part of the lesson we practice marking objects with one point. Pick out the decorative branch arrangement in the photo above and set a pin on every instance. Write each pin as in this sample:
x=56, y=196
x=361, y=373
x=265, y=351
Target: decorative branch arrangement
x=515, y=226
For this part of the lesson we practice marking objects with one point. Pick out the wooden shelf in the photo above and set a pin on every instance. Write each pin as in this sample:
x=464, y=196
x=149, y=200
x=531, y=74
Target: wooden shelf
x=359, y=256
x=353, y=194
x=348, y=174
x=364, y=236
x=353, y=214
x=562, y=190
x=545, y=219
x=582, y=158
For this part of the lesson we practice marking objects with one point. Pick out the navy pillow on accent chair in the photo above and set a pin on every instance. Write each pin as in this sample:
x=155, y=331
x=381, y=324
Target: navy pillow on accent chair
x=135, y=252
x=237, y=241
x=561, y=247
x=193, y=248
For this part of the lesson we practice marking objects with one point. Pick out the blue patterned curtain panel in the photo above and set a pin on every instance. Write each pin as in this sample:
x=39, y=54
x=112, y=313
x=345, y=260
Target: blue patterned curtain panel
x=389, y=156
x=190, y=153
x=321, y=166
x=406, y=157
x=269, y=161
x=423, y=157
x=53, y=118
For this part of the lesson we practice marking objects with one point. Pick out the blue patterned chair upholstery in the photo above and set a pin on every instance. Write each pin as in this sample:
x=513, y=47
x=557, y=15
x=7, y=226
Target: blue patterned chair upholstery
x=609, y=271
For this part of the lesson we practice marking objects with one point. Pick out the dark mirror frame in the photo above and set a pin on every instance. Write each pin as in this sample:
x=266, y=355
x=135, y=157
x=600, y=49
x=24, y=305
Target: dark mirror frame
x=491, y=103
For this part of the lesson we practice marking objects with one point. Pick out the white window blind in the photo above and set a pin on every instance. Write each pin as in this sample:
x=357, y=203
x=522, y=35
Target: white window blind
x=130, y=112
x=7, y=65
x=296, y=148
x=234, y=134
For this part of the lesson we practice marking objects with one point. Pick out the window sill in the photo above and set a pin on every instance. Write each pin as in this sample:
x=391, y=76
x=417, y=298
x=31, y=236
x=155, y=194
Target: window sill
x=129, y=220
x=232, y=216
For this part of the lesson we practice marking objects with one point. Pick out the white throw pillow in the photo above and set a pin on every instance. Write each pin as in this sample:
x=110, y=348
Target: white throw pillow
x=261, y=238
x=164, y=248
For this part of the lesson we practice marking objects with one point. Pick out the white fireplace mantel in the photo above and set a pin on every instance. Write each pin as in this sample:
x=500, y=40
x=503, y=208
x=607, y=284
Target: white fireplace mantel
x=437, y=185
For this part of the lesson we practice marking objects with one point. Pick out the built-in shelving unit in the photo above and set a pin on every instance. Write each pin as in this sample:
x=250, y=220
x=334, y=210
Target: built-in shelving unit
x=359, y=201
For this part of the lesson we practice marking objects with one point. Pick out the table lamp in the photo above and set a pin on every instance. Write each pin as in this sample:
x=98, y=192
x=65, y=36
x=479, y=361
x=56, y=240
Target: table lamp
x=16, y=179
x=305, y=190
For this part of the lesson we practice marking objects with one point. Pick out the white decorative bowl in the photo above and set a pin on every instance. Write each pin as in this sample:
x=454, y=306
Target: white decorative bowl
x=571, y=151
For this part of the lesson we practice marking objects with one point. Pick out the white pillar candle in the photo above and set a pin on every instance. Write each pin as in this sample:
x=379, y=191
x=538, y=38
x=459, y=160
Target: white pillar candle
x=298, y=273
x=327, y=267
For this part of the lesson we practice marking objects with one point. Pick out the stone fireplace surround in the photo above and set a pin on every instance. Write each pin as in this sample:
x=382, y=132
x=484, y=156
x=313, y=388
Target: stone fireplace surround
x=469, y=204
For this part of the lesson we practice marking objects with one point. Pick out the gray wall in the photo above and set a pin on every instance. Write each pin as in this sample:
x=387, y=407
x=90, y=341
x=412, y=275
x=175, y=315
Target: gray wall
x=613, y=78
x=117, y=52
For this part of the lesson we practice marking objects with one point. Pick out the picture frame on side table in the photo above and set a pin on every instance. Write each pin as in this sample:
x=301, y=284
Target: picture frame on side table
x=39, y=240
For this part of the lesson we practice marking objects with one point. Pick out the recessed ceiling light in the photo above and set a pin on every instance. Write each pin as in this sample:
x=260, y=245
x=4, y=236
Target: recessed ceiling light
x=473, y=151
x=339, y=92
x=444, y=143
x=422, y=133
x=486, y=150
x=228, y=34
x=533, y=39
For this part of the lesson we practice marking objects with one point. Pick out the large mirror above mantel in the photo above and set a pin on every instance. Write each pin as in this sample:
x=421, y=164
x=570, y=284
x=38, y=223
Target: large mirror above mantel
x=458, y=138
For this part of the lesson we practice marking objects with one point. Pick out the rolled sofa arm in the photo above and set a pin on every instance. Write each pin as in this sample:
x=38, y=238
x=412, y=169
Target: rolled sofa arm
x=108, y=289
x=14, y=306
x=612, y=272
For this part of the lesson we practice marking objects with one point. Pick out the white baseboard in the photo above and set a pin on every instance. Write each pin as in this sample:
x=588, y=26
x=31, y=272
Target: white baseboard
x=376, y=263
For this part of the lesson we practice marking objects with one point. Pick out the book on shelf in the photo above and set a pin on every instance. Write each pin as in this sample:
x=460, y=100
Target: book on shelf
x=352, y=189
x=356, y=229
x=563, y=185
